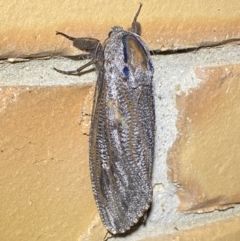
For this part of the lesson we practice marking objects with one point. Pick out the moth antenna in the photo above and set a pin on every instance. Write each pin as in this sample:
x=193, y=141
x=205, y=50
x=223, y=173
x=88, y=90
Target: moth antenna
x=136, y=16
x=136, y=27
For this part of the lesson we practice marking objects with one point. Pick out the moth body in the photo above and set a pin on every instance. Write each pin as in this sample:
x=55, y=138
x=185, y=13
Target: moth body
x=122, y=127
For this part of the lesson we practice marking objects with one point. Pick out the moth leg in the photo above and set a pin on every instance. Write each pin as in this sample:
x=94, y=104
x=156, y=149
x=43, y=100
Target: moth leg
x=90, y=45
x=106, y=236
x=136, y=27
x=145, y=218
x=87, y=44
x=65, y=35
x=77, y=71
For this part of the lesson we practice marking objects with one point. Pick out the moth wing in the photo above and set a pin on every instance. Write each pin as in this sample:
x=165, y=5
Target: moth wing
x=121, y=149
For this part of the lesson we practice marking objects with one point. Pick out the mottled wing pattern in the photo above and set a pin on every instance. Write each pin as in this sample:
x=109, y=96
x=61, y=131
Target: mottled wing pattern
x=122, y=137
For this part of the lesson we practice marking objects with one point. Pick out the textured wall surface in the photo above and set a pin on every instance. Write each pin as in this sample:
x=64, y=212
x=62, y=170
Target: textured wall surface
x=28, y=28
x=45, y=117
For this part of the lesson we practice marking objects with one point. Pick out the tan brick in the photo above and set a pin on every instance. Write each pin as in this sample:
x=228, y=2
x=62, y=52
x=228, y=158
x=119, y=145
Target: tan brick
x=29, y=27
x=204, y=160
x=45, y=185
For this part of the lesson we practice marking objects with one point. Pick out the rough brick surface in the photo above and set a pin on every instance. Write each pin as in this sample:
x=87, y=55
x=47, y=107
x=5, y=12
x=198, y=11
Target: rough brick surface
x=29, y=27
x=43, y=155
x=205, y=158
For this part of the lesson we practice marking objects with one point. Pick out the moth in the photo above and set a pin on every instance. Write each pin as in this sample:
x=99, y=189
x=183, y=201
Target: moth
x=122, y=125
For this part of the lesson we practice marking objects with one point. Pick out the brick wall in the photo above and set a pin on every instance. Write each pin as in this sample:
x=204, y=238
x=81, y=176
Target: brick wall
x=45, y=116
